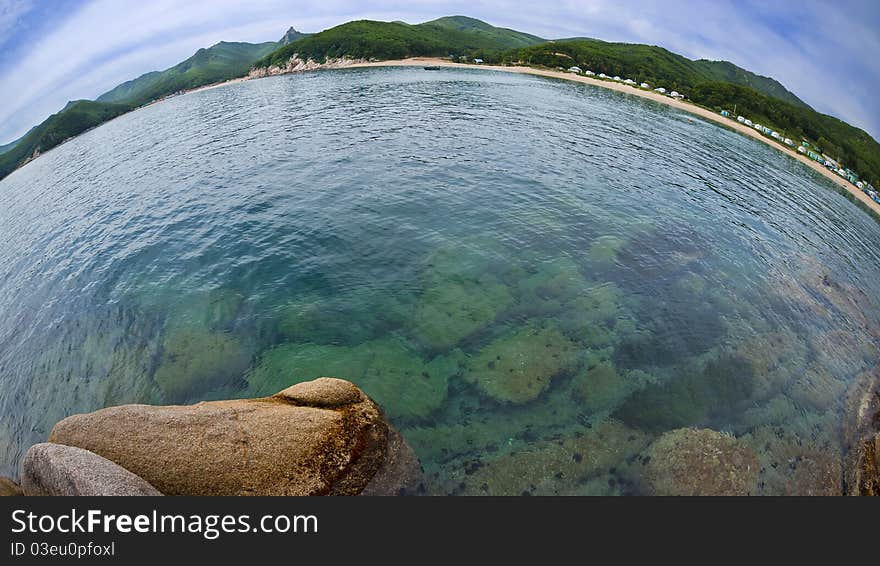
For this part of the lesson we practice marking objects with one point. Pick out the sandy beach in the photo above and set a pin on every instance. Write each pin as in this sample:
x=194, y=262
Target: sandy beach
x=649, y=94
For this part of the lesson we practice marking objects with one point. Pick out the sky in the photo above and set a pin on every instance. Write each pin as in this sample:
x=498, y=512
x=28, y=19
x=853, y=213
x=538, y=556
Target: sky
x=53, y=51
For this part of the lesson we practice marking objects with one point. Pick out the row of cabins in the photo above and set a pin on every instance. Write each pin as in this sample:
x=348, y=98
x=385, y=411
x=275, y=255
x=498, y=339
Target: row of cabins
x=814, y=153
x=630, y=82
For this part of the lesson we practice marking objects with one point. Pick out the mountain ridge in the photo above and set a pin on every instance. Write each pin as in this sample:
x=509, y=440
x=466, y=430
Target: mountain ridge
x=460, y=37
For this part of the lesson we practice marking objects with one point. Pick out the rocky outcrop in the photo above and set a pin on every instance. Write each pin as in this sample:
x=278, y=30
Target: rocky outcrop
x=54, y=469
x=862, y=431
x=296, y=65
x=8, y=487
x=323, y=437
x=700, y=462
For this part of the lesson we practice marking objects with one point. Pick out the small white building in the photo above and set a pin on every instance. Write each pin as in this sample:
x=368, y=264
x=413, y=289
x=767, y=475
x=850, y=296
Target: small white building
x=603, y=76
x=757, y=127
x=661, y=90
x=775, y=135
x=749, y=123
x=616, y=78
x=478, y=61
x=575, y=69
x=788, y=142
x=645, y=85
x=589, y=73
x=860, y=184
x=740, y=119
x=802, y=149
x=630, y=82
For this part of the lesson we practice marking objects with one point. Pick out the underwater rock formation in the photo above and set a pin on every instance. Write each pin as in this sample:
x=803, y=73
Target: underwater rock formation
x=695, y=398
x=517, y=368
x=548, y=286
x=288, y=364
x=322, y=437
x=553, y=467
x=699, y=462
x=403, y=383
x=196, y=360
x=450, y=311
x=795, y=463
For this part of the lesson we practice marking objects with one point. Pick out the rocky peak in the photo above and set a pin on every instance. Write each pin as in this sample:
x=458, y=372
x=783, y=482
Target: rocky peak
x=290, y=36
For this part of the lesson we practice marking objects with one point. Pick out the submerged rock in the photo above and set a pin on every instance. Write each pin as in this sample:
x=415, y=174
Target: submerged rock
x=450, y=311
x=553, y=467
x=603, y=251
x=8, y=487
x=56, y=469
x=601, y=388
x=700, y=462
x=322, y=437
x=517, y=368
x=796, y=463
x=288, y=364
x=549, y=287
x=403, y=383
x=196, y=360
x=698, y=396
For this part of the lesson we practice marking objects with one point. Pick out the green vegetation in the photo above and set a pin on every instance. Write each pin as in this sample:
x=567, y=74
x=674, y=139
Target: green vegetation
x=851, y=145
x=365, y=39
x=76, y=118
x=218, y=63
x=713, y=84
x=642, y=63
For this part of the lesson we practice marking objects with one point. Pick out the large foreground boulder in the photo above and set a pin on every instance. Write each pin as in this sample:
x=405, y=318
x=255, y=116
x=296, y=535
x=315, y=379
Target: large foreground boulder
x=323, y=437
x=54, y=469
x=8, y=487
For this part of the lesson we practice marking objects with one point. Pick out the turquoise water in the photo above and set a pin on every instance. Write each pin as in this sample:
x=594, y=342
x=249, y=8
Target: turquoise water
x=536, y=279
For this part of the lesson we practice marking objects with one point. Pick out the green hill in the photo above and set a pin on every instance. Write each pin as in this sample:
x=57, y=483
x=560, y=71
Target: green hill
x=851, y=145
x=648, y=63
x=10, y=145
x=501, y=36
x=77, y=117
x=215, y=64
x=395, y=40
x=714, y=84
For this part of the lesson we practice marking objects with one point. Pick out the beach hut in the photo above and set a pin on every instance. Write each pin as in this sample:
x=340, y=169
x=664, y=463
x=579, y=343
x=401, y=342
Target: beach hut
x=740, y=119
x=645, y=85
x=775, y=135
x=661, y=90
x=725, y=113
x=749, y=123
x=589, y=73
x=630, y=82
x=575, y=70
x=860, y=185
x=802, y=149
x=758, y=127
x=478, y=61
x=616, y=78
x=603, y=76
x=788, y=142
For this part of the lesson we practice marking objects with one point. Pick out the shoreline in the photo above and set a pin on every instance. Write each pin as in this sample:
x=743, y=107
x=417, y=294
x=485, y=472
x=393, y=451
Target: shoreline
x=867, y=203
x=649, y=94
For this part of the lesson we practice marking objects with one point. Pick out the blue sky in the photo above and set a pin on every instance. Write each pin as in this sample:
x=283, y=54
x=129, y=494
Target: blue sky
x=52, y=51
